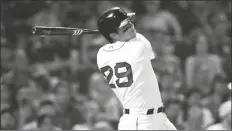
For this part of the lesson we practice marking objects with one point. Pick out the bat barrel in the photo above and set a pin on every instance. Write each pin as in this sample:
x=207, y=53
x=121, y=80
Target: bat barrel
x=38, y=30
x=52, y=31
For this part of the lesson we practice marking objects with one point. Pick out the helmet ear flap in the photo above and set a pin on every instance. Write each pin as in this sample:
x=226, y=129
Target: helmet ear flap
x=112, y=35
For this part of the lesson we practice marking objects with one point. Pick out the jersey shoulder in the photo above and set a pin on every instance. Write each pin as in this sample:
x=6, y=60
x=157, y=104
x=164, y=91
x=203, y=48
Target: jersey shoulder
x=138, y=45
x=114, y=46
x=106, y=52
x=148, y=48
x=99, y=56
x=141, y=37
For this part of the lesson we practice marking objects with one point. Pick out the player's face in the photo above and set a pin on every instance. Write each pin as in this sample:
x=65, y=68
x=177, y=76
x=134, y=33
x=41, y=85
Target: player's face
x=125, y=33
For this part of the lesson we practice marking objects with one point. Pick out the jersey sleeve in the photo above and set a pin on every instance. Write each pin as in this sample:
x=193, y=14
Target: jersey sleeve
x=148, y=51
x=99, y=58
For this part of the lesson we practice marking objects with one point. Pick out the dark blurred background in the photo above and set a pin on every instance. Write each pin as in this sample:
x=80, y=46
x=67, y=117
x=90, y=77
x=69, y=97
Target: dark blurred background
x=53, y=82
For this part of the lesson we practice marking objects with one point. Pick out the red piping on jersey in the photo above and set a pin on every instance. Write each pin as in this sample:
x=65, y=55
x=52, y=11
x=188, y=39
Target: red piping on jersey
x=115, y=49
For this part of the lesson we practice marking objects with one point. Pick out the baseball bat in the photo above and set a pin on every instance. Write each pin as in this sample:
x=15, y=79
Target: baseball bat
x=46, y=31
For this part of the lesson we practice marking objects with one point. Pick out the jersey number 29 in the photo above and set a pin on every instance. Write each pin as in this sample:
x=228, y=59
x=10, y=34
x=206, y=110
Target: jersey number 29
x=126, y=74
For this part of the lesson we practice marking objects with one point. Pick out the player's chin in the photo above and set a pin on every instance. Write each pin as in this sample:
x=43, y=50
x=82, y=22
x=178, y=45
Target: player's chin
x=131, y=34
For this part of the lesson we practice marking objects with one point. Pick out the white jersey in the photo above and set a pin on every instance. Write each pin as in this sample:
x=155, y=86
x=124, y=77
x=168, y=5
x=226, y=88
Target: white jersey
x=127, y=68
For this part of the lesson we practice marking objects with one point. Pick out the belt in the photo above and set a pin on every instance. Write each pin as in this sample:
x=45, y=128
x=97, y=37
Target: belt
x=149, y=111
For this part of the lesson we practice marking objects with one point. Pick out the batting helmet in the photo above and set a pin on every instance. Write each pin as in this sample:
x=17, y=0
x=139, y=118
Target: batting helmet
x=112, y=19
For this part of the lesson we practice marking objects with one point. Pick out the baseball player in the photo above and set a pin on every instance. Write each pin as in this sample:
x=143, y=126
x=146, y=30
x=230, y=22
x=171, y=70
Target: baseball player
x=126, y=65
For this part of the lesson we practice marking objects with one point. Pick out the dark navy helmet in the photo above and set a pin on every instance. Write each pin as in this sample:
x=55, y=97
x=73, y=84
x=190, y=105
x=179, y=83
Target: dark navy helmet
x=112, y=19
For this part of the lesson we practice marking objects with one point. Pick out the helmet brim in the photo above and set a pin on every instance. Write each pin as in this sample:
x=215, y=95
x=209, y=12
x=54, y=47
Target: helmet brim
x=130, y=16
